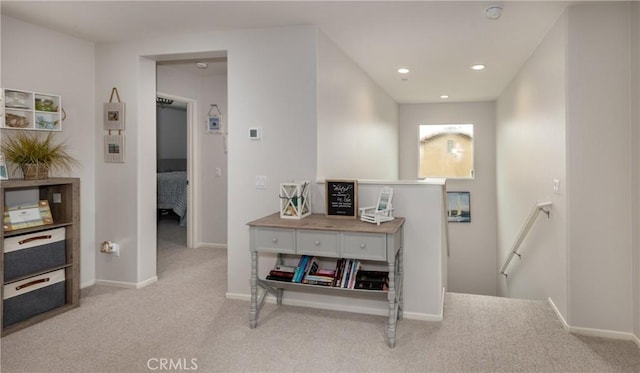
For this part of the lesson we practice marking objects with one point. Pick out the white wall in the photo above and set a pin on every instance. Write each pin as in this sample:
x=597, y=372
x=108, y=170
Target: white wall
x=271, y=84
x=38, y=59
x=472, y=261
x=212, y=230
x=213, y=224
x=357, y=121
x=171, y=133
x=530, y=154
x=600, y=145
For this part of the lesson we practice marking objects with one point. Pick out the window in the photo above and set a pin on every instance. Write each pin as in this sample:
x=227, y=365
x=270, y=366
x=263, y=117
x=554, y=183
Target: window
x=446, y=150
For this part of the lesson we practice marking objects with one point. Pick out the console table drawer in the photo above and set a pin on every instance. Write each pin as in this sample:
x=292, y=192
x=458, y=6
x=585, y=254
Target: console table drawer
x=364, y=246
x=274, y=240
x=318, y=243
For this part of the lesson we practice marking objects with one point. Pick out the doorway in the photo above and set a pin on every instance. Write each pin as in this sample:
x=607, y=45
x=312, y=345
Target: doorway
x=174, y=123
x=202, y=85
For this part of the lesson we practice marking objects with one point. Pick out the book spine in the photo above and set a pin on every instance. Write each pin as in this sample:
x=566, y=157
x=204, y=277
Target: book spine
x=339, y=270
x=365, y=285
x=347, y=271
x=354, y=272
x=300, y=269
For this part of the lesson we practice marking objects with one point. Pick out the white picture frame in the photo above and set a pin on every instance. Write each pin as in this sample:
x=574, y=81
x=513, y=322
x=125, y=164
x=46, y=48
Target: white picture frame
x=114, y=115
x=4, y=175
x=214, y=124
x=114, y=148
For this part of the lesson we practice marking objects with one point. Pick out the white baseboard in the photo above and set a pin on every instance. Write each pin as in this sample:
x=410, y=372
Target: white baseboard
x=590, y=332
x=128, y=285
x=87, y=284
x=339, y=307
x=208, y=245
x=444, y=291
x=558, y=314
x=611, y=334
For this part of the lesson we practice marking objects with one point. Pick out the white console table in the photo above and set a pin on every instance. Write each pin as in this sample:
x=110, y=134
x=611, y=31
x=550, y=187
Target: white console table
x=320, y=236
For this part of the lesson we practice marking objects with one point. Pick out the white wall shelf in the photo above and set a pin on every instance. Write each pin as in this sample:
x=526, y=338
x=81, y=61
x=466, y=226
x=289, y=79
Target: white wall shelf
x=30, y=110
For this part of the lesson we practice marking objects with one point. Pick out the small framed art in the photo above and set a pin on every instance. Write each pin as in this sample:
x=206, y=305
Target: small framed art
x=342, y=198
x=114, y=148
x=3, y=170
x=114, y=115
x=213, y=124
x=459, y=207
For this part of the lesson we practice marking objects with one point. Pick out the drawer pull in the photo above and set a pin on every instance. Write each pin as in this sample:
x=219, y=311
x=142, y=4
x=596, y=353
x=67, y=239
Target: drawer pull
x=35, y=282
x=275, y=240
x=27, y=240
x=317, y=243
x=362, y=246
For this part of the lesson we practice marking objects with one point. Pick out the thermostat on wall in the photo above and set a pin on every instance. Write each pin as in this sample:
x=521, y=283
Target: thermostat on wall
x=254, y=133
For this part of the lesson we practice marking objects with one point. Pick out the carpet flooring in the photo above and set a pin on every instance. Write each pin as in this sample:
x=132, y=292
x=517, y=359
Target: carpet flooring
x=184, y=323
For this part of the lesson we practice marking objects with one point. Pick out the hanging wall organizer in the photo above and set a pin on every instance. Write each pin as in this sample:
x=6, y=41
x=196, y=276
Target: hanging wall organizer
x=114, y=119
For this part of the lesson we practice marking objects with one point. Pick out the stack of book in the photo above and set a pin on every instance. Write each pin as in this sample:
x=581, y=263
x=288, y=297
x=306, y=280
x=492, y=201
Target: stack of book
x=347, y=274
x=372, y=280
x=282, y=273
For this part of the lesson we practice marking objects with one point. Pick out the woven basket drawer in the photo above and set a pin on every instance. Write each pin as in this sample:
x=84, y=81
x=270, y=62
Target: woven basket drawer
x=32, y=296
x=33, y=253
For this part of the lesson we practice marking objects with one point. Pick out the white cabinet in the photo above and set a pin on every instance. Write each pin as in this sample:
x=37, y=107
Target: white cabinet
x=30, y=110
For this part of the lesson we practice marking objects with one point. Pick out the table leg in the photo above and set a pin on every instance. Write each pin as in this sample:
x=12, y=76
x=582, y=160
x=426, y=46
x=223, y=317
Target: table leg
x=401, y=279
x=391, y=296
x=253, y=282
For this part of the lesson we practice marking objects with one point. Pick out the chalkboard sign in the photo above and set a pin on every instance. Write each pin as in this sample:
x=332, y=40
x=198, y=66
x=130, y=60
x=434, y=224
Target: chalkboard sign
x=342, y=198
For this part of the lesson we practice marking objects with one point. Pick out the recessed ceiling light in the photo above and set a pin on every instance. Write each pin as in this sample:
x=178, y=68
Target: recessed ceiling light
x=444, y=96
x=493, y=12
x=403, y=70
x=478, y=67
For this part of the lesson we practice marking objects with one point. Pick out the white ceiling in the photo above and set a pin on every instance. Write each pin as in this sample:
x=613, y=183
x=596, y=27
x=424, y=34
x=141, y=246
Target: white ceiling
x=437, y=40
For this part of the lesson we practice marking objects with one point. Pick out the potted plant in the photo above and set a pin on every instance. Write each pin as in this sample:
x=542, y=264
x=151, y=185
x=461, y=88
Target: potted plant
x=36, y=154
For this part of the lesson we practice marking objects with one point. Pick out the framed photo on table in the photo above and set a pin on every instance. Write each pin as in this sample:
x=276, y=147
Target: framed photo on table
x=342, y=198
x=3, y=169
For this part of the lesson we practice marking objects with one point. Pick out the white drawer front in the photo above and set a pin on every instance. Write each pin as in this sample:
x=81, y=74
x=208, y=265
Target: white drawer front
x=364, y=246
x=26, y=241
x=33, y=283
x=274, y=240
x=322, y=243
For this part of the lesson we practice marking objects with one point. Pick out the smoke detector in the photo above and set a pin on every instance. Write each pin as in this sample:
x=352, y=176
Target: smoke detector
x=202, y=65
x=493, y=12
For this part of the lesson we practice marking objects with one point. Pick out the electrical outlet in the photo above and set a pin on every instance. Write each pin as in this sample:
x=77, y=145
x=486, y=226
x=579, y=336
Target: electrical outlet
x=57, y=198
x=261, y=182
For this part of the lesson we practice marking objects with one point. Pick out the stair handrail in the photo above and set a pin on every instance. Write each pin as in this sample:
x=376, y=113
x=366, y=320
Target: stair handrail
x=537, y=208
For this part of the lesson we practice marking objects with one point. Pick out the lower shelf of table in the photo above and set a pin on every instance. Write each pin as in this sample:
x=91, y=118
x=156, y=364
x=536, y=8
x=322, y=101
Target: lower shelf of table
x=294, y=286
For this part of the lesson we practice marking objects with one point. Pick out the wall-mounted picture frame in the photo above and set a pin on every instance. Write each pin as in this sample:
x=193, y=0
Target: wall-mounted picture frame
x=214, y=123
x=114, y=148
x=114, y=115
x=3, y=170
x=459, y=207
x=341, y=198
